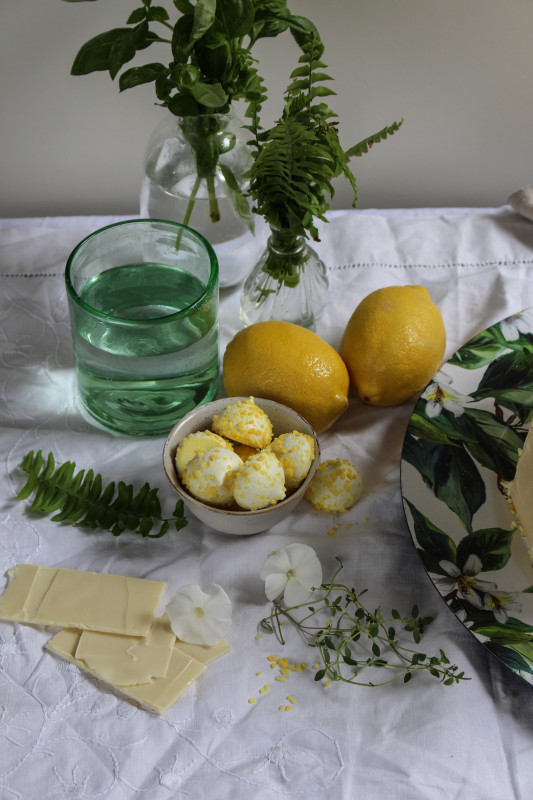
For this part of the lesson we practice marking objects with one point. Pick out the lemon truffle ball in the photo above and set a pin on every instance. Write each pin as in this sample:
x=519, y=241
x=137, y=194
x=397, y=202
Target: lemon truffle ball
x=260, y=482
x=295, y=452
x=195, y=443
x=244, y=422
x=336, y=486
x=210, y=476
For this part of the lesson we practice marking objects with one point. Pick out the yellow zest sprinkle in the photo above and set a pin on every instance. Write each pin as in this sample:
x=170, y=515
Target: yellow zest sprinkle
x=282, y=708
x=331, y=532
x=280, y=678
x=291, y=699
x=365, y=519
x=327, y=683
x=316, y=666
x=258, y=636
x=328, y=622
x=349, y=524
x=252, y=700
x=287, y=708
x=265, y=688
x=271, y=658
x=259, y=673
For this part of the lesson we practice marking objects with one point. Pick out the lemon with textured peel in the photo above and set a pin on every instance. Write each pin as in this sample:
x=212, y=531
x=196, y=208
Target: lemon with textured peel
x=393, y=344
x=289, y=364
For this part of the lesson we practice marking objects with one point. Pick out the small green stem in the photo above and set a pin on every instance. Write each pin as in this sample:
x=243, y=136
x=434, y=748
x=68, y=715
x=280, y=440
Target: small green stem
x=192, y=199
x=214, y=211
x=189, y=209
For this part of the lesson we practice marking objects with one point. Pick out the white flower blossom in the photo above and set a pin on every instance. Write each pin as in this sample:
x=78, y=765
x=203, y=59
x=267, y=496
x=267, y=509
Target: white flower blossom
x=200, y=617
x=513, y=326
x=439, y=396
x=463, y=583
x=293, y=572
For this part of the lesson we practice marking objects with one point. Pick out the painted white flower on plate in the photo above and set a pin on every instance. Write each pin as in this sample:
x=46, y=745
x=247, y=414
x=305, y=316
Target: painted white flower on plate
x=464, y=583
x=293, y=572
x=441, y=397
x=500, y=603
x=513, y=326
x=200, y=616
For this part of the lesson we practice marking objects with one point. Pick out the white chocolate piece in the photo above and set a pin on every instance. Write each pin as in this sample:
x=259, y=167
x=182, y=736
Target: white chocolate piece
x=260, y=482
x=204, y=653
x=209, y=476
x=295, y=452
x=128, y=660
x=195, y=443
x=243, y=421
x=158, y=695
x=336, y=486
x=86, y=600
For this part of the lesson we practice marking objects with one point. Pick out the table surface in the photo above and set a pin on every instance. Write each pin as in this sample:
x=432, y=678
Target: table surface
x=71, y=736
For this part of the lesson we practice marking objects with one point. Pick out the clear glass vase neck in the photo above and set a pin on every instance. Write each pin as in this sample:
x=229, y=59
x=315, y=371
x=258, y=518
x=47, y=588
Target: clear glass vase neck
x=284, y=241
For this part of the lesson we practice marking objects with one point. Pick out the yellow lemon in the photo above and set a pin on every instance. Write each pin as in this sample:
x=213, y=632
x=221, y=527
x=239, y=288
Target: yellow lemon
x=289, y=364
x=393, y=344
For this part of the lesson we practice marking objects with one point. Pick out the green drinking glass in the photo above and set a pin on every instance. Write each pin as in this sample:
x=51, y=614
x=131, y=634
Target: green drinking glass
x=143, y=303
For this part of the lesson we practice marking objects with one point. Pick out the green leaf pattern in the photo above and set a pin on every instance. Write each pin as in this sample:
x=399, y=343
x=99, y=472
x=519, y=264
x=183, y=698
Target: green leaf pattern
x=460, y=446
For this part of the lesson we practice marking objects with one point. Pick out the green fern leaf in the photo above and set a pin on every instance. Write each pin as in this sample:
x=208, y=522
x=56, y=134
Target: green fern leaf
x=365, y=145
x=79, y=498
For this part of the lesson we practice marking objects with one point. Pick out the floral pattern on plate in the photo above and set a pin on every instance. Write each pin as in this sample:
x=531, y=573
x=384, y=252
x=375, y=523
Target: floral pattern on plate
x=460, y=447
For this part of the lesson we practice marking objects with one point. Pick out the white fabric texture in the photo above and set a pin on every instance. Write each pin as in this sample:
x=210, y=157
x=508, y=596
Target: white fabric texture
x=63, y=734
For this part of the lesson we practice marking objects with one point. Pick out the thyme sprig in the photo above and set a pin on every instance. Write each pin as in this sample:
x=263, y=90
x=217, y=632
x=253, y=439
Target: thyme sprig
x=352, y=640
x=79, y=498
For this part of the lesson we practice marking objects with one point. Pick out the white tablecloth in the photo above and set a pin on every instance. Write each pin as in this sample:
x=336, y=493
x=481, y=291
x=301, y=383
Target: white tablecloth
x=65, y=735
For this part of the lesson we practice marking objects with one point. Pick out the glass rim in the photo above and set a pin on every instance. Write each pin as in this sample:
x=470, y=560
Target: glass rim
x=184, y=312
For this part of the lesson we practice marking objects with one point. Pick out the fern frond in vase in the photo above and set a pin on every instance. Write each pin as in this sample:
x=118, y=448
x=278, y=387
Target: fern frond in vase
x=291, y=185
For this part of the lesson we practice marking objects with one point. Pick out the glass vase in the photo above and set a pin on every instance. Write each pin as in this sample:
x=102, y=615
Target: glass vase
x=289, y=282
x=192, y=169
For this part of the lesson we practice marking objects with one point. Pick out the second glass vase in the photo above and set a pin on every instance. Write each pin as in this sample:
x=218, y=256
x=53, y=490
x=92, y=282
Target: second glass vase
x=288, y=283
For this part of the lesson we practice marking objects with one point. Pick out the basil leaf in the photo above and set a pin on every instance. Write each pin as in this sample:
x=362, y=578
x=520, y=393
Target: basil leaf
x=183, y=105
x=158, y=14
x=204, y=16
x=94, y=55
x=210, y=95
x=235, y=17
x=138, y=75
x=184, y=6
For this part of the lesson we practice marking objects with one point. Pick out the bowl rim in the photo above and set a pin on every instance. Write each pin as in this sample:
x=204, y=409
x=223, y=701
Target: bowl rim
x=170, y=447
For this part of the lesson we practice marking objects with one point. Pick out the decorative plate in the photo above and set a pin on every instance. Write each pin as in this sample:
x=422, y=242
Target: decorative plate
x=460, y=447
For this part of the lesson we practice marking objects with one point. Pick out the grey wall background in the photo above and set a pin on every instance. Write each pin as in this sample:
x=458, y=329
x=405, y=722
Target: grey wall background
x=458, y=71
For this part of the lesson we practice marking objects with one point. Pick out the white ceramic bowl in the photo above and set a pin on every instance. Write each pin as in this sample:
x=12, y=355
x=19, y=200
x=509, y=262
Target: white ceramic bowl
x=238, y=523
